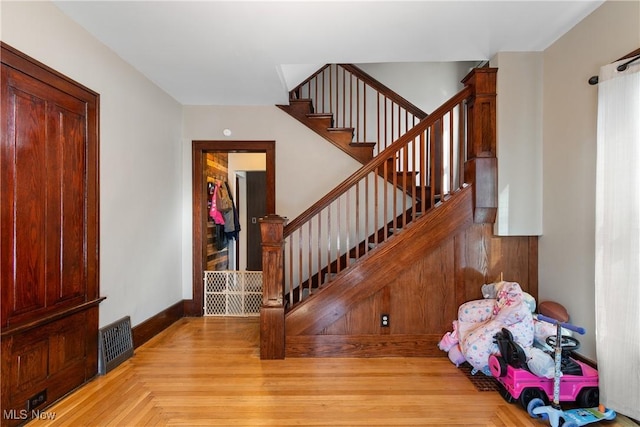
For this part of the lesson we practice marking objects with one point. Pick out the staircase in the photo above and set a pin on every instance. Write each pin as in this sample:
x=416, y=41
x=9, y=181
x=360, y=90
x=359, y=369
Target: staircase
x=323, y=125
x=388, y=239
x=349, y=108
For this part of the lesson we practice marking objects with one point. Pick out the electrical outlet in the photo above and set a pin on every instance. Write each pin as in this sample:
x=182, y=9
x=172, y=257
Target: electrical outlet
x=37, y=400
x=384, y=320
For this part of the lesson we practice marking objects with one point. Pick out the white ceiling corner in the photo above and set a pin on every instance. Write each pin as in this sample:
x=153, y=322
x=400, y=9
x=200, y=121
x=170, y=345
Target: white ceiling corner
x=254, y=52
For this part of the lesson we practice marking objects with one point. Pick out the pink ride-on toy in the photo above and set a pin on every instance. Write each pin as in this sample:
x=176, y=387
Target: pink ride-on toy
x=538, y=408
x=579, y=381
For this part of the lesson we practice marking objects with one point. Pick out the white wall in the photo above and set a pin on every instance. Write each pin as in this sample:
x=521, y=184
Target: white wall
x=427, y=85
x=140, y=161
x=566, y=250
x=307, y=165
x=519, y=143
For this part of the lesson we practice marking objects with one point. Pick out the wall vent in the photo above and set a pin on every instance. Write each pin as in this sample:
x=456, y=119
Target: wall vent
x=115, y=344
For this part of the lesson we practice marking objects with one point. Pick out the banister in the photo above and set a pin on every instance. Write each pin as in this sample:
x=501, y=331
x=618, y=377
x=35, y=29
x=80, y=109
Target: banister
x=376, y=161
x=374, y=83
x=311, y=77
x=272, y=307
x=424, y=168
x=390, y=94
x=374, y=115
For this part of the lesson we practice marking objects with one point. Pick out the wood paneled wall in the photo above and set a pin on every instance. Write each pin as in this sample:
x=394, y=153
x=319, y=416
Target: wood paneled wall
x=421, y=295
x=424, y=298
x=216, y=168
x=484, y=258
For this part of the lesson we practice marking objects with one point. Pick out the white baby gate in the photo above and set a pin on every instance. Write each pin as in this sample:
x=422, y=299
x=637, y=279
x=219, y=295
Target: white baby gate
x=232, y=293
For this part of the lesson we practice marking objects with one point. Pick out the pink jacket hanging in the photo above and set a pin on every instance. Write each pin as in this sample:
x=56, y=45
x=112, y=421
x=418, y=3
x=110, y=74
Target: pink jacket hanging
x=214, y=213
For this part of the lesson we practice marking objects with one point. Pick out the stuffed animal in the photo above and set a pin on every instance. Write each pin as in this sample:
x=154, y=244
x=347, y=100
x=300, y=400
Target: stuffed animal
x=489, y=291
x=449, y=343
x=479, y=320
x=456, y=356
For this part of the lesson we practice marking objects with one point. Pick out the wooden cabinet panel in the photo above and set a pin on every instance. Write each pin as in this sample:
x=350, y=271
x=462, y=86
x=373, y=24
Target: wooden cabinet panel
x=48, y=233
x=23, y=272
x=29, y=363
x=66, y=346
x=44, y=169
x=66, y=130
x=50, y=357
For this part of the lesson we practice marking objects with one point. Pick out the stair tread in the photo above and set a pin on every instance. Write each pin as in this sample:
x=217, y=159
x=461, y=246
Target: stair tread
x=300, y=106
x=322, y=123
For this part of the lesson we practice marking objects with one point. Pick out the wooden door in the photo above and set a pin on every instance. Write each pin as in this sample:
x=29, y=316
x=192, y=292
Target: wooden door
x=256, y=209
x=48, y=231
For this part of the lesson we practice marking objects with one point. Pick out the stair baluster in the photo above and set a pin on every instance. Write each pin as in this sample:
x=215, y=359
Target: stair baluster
x=422, y=170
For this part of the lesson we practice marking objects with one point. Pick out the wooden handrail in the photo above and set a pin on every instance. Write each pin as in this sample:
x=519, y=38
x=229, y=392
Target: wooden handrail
x=371, y=81
x=445, y=152
x=293, y=92
x=356, y=101
x=417, y=172
x=390, y=94
x=375, y=162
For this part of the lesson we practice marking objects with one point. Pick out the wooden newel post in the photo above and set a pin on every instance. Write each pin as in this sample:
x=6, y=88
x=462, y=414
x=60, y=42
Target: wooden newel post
x=481, y=167
x=272, y=337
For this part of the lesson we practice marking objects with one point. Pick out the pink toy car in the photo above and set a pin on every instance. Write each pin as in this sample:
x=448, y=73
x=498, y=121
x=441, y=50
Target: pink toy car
x=578, y=383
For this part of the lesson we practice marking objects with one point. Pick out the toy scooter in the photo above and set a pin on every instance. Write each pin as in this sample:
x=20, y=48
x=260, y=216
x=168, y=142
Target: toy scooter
x=554, y=413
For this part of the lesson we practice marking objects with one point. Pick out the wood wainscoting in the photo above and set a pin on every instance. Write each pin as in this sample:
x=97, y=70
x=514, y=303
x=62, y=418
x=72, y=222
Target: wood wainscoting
x=418, y=282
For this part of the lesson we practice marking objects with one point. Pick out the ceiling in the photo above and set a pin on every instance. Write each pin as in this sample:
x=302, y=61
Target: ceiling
x=252, y=52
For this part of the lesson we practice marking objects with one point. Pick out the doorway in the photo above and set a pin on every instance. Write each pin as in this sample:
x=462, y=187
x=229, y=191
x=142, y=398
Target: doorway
x=194, y=307
x=256, y=208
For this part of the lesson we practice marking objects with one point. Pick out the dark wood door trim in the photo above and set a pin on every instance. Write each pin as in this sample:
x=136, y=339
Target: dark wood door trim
x=194, y=307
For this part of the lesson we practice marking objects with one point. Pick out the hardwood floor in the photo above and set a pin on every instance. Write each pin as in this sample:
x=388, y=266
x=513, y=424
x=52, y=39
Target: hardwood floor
x=207, y=372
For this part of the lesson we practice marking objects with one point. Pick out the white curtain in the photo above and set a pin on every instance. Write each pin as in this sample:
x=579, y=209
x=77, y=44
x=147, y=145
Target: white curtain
x=617, y=236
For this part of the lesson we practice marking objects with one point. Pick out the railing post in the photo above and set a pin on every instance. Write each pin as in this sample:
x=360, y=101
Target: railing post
x=481, y=167
x=272, y=337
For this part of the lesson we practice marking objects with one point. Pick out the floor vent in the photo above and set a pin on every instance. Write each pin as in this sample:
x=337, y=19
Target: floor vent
x=115, y=345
